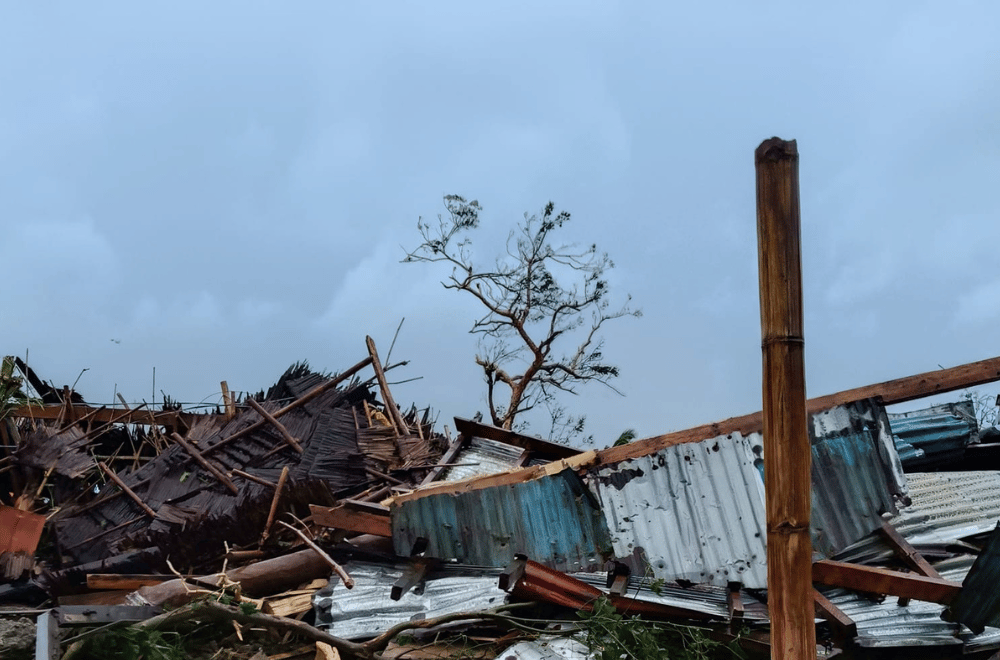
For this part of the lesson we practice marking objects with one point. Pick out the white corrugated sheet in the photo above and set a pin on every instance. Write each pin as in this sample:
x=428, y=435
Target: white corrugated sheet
x=693, y=511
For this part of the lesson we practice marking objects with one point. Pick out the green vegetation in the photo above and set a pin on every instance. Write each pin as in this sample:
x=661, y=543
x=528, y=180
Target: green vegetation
x=611, y=635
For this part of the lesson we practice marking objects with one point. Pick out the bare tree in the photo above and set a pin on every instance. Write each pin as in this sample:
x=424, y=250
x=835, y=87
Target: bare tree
x=539, y=297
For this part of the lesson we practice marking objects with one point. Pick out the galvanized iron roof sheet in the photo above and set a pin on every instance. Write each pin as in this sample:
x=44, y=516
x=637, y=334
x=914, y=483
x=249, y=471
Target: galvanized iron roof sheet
x=693, y=511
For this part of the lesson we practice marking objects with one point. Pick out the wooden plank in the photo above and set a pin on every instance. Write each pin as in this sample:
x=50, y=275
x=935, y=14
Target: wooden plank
x=537, y=445
x=415, y=572
x=907, y=552
x=844, y=628
x=390, y=404
x=130, y=582
x=501, y=478
x=879, y=580
x=352, y=520
x=893, y=391
x=787, y=454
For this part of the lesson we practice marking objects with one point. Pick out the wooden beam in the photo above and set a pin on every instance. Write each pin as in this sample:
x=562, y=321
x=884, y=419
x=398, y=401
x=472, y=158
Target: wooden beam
x=879, y=580
x=390, y=404
x=734, y=600
x=415, y=572
x=108, y=581
x=353, y=519
x=128, y=491
x=197, y=456
x=787, y=454
x=108, y=415
x=907, y=552
x=537, y=445
x=843, y=627
x=285, y=435
x=889, y=392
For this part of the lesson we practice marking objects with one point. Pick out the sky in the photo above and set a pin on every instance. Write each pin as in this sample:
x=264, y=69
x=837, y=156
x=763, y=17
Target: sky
x=216, y=190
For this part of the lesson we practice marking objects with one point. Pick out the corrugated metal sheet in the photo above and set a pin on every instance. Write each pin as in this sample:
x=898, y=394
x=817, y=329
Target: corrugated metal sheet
x=705, y=598
x=856, y=474
x=693, y=511
x=367, y=610
x=978, y=604
x=548, y=648
x=482, y=456
x=946, y=508
x=888, y=624
x=553, y=520
x=936, y=435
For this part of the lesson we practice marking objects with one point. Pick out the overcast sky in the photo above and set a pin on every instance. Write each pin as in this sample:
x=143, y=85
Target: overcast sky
x=216, y=190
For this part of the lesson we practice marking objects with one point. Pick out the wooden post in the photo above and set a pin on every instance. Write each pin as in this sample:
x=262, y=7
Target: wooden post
x=787, y=452
x=390, y=404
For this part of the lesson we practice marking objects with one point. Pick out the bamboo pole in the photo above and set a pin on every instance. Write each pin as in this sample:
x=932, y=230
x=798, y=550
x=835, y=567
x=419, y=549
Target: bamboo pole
x=787, y=454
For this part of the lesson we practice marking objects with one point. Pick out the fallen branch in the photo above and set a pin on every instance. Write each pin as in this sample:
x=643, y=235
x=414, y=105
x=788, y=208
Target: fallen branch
x=348, y=580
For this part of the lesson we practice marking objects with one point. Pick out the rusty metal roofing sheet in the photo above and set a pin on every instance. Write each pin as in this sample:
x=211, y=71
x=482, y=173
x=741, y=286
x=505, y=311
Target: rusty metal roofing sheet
x=367, y=609
x=935, y=435
x=693, y=511
x=554, y=520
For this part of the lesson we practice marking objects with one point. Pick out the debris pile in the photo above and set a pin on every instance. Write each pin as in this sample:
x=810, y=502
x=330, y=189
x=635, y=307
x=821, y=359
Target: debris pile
x=323, y=511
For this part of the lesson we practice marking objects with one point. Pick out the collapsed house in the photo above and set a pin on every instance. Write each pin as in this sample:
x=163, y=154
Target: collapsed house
x=146, y=506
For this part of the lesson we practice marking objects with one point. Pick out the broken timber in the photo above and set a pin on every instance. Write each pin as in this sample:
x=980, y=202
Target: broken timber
x=889, y=392
x=882, y=581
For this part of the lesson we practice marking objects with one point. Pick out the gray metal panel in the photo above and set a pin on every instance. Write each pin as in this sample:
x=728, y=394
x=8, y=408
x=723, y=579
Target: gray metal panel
x=548, y=648
x=553, y=520
x=693, y=511
x=482, y=456
x=367, y=610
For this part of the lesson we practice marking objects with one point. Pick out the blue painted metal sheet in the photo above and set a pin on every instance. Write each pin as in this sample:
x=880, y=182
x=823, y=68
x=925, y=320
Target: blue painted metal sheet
x=934, y=436
x=553, y=520
x=856, y=474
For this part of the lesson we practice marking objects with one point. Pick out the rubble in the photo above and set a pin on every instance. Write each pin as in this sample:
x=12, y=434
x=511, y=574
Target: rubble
x=324, y=510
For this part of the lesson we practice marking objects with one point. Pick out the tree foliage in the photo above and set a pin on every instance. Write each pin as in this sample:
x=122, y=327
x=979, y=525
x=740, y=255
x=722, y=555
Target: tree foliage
x=544, y=304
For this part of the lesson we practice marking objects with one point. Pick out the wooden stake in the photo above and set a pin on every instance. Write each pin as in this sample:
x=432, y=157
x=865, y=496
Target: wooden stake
x=274, y=504
x=196, y=455
x=394, y=414
x=227, y=399
x=285, y=435
x=128, y=491
x=787, y=480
